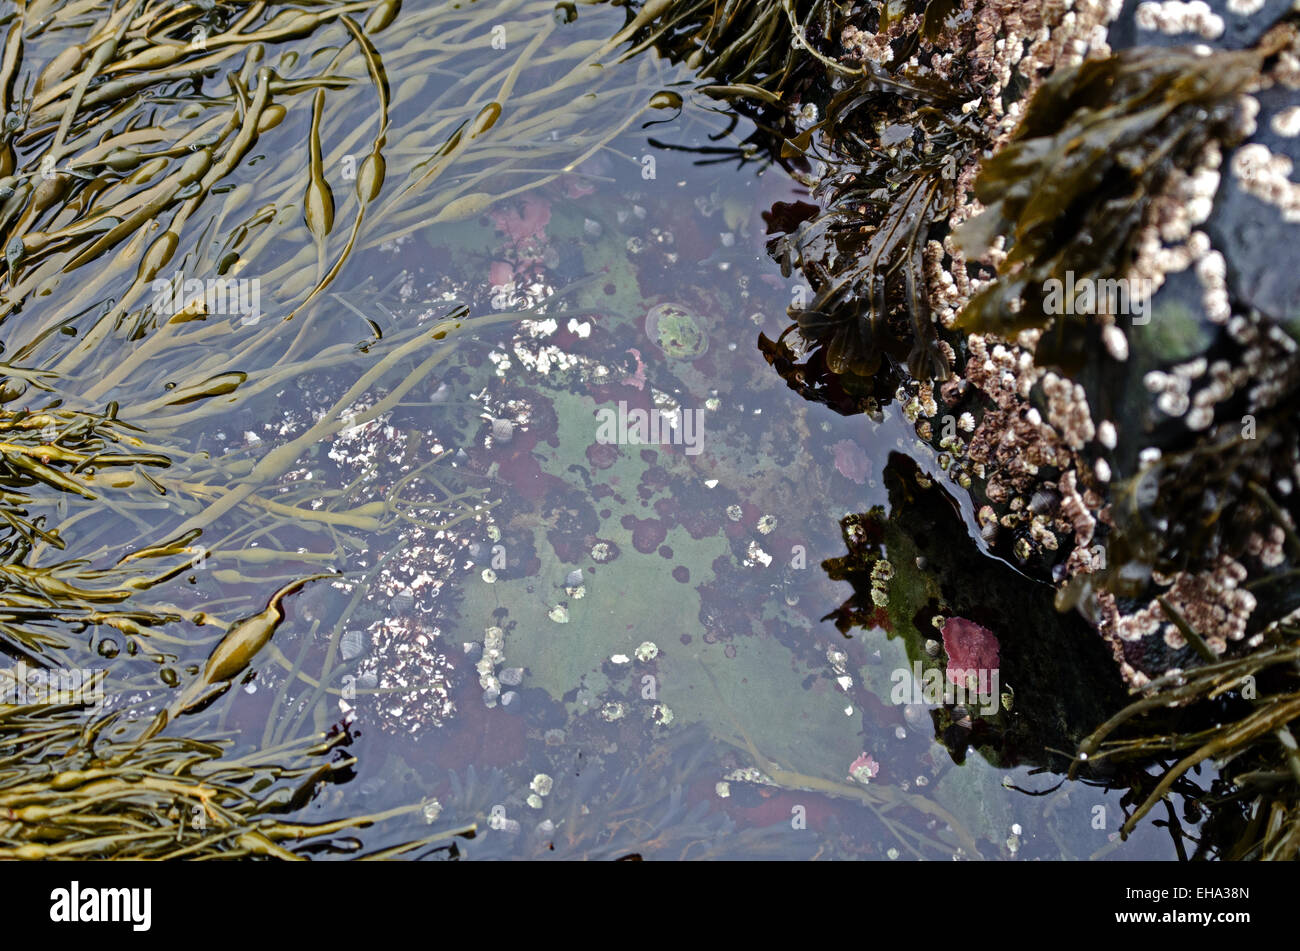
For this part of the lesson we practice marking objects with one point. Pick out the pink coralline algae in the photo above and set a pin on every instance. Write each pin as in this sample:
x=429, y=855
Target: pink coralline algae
x=969, y=648
x=575, y=187
x=582, y=181
x=851, y=462
x=526, y=244
x=530, y=224
x=863, y=769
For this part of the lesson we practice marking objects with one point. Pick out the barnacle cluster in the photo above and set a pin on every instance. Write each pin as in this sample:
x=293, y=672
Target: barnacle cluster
x=918, y=98
x=1052, y=151
x=971, y=159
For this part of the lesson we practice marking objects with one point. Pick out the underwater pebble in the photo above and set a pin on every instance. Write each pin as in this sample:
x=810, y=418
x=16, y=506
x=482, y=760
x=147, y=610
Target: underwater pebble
x=511, y=676
x=559, y=614
x=916, y=716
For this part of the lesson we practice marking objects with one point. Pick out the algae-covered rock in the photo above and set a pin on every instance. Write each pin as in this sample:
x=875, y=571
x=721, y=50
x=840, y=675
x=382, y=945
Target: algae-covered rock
x=1054, y=680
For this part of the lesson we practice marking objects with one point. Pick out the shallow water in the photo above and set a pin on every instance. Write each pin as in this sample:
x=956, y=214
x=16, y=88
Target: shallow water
x=718, y=551
x=592, y=648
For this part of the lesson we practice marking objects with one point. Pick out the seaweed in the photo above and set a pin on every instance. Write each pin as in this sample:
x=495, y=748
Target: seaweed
x=1236, y=714
x=896, y=146
x=171, y=247
x=1068, y=193
x=77, y=789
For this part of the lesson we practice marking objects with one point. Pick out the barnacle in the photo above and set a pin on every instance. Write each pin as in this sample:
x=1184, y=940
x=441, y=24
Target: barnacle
x=1068, y=193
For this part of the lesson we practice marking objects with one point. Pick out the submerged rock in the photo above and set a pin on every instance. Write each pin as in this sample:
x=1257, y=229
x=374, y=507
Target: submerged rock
x=1085, y=307
x=676, y=331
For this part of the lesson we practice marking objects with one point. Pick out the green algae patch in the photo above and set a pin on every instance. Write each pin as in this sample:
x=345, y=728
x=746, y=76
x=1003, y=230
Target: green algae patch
x=623, y=605
x=811, y=733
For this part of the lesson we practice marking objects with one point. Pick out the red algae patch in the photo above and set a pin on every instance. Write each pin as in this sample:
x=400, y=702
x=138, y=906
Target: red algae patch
x=969, y=647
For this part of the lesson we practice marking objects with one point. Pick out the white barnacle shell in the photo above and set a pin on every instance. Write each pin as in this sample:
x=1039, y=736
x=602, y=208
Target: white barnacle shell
x=503, y=430
x=352, y=644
